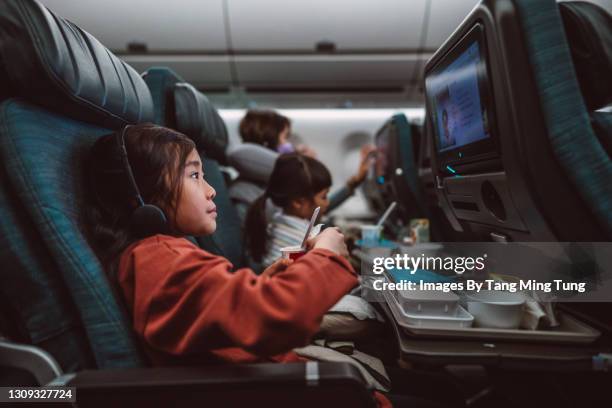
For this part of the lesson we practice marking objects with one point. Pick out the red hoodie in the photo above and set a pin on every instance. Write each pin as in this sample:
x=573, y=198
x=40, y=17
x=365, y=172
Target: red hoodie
x=188, y=307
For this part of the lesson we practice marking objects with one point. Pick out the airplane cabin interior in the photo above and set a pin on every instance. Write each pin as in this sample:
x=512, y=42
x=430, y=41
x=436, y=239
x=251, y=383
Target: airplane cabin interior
x=481, y=126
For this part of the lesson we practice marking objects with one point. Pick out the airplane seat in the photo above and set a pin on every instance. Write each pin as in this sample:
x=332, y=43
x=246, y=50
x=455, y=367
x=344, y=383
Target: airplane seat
x=161, y=81
x=254, y=164
x=400, y=144
x=69, y=90
x=405, y=184
x=565, y=106
x=533, y=168
x=589, y=33
x=378, y=186
x=180, y=106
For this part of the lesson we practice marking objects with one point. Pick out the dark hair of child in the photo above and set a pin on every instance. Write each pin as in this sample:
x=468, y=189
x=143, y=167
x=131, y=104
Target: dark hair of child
x=294, y=177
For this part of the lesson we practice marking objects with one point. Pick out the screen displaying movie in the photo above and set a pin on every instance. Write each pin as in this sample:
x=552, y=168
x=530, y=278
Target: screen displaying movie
x=456, y=99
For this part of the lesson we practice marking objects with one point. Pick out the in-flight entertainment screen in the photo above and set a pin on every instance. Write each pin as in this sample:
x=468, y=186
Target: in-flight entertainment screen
x=458, y=97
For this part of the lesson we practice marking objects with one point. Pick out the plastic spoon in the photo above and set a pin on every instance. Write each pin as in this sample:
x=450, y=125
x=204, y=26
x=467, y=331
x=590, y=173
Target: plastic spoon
x=386, y=214
x=315, y=214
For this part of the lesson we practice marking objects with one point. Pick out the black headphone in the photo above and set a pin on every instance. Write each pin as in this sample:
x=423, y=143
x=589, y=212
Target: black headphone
x=147, y=219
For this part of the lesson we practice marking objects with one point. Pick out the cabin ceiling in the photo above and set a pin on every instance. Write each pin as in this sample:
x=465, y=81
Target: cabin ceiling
x=315, y=53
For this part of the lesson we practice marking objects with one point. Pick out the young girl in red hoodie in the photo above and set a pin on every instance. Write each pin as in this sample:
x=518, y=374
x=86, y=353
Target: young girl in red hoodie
x=187, y=305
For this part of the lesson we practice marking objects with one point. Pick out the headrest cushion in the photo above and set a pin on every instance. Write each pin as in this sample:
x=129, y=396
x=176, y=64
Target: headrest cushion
x=53, y=63
x=198, y=119
x=254, y=162
x=589, y=33
x=161, y=81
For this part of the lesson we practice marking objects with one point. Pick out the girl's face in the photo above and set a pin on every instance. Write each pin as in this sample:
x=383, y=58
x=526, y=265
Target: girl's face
x=284, y=135
x=321, y=200
x=304, y=207
x=196, y=212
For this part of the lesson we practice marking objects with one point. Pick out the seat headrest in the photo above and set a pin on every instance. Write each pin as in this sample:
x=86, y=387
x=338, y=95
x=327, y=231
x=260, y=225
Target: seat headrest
x=53, y=63
x=588, y=28
x=198, y=119
x=254, y=162
x=161, y=81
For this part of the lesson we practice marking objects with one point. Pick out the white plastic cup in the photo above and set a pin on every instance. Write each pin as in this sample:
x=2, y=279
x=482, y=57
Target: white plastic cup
x=370, y=235
x=496, y=309
x=293, y=252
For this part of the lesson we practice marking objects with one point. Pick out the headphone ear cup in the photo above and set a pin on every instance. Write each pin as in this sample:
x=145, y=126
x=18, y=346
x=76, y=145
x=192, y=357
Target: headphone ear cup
x=148, y=220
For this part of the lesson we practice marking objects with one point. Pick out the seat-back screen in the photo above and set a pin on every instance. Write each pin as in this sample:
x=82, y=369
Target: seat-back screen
x=458, y=97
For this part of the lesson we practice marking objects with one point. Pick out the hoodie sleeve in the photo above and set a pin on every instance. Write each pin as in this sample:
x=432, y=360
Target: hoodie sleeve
x=186, y=300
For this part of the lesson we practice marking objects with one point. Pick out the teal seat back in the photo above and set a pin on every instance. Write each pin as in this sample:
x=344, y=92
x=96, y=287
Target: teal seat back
x=63, y=90
x=544, y=174
x=572, y=138
x=36, y=304
x=407, y=182
x=161, y=81
x=42, y=154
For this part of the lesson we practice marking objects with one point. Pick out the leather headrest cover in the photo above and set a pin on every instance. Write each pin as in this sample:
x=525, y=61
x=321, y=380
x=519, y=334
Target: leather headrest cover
x=589, y=33
x=254, y=162
x=198, y=119
x=161, y=81
x=51, y=62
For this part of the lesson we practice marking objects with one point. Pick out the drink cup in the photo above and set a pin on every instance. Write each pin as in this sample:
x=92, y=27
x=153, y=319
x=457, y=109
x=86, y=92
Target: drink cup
x=370, y=235
x=293, y=252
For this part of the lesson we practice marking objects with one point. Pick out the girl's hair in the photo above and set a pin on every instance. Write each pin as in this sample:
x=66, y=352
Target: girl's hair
x=294, y=176
x=157, y=158
x=263, y=127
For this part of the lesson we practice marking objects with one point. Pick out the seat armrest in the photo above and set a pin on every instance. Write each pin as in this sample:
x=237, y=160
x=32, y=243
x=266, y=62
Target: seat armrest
x=40, y=364
x=304, y=384
x=288, y=385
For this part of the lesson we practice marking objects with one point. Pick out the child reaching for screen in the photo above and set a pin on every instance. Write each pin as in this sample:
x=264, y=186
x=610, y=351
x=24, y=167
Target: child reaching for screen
x=298, y=184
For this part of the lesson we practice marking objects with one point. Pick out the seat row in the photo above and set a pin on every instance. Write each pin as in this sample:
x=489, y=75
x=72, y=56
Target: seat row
x=61, y=91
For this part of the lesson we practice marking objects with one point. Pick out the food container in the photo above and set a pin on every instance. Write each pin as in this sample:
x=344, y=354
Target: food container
x=496, y=309
x=460, y=319
x=428, y=302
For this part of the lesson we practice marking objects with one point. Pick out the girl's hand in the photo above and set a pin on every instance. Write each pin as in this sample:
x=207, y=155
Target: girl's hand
x=278, y=266
x=330, y=239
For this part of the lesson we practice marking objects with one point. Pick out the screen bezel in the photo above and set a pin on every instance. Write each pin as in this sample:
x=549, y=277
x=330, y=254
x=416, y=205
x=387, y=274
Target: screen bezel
x=481, y=149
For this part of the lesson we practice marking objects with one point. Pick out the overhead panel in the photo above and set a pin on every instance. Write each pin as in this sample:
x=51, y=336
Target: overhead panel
x=444, y=17
x=322, y=43
x=185, y=35
x=352, y=71
x=175, y=26
x=298, y=26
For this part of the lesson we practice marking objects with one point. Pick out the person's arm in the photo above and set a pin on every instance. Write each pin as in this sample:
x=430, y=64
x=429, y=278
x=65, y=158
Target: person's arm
x=189, y=301
x=341, y=195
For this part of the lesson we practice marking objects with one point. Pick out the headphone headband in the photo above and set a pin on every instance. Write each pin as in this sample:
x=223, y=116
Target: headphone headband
x=135, y=192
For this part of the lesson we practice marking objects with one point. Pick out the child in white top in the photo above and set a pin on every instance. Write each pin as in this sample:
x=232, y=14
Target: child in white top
x=298, y=184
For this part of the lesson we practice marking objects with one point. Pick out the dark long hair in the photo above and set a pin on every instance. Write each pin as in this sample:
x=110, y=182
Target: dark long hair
x=263, y=127
x=294, y=176
x=157, y=157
